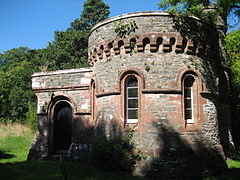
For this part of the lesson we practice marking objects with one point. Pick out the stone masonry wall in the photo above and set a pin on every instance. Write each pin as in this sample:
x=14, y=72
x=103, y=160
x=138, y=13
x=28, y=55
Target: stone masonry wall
x=73, y=86
x=160, y=55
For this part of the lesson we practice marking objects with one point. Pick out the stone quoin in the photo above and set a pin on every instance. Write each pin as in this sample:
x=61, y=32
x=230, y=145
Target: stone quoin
x=167, y=84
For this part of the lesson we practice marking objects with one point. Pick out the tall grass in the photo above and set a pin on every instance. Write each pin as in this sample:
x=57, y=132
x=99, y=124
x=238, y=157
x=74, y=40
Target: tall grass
x=13, y=129
x=15, y=141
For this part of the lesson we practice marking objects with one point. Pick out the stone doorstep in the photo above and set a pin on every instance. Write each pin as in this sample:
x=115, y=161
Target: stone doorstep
x=59, y=153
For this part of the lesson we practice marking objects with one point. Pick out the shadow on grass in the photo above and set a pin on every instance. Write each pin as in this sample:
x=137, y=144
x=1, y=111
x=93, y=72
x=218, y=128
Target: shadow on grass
x=234, y=172
x=50, y=170
x=5, y=155
x=30, y=170
x=230, y=174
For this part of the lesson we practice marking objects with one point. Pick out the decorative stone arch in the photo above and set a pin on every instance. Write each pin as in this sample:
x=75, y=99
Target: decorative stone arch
x=135, y=71
x=62, y=97
x=196, y=89
x=123, y=79
x=183, y=73
x=61, y=112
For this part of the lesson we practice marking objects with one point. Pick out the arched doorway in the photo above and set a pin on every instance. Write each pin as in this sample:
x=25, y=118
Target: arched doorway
x=62, y=126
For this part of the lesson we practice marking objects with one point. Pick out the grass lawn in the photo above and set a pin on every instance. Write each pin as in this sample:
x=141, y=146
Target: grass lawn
x=15, y=141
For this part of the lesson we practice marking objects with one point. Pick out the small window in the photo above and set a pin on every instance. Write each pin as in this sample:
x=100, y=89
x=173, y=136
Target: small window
x=188, y=99
x=131, y=99
x=93, y=98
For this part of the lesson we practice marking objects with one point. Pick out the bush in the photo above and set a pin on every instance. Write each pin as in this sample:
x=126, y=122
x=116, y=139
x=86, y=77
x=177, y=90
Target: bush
x=31, y=116
x=115, y=153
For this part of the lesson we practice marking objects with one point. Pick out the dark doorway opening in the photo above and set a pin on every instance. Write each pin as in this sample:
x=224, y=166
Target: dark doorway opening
x=62, y=126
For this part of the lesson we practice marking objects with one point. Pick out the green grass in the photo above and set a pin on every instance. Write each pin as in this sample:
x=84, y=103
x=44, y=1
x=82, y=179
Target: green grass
x=16, y=148
x=233, y=164
x=15, y=141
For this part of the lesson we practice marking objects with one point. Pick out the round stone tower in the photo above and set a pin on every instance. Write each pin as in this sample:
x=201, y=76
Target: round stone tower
x=164, y=77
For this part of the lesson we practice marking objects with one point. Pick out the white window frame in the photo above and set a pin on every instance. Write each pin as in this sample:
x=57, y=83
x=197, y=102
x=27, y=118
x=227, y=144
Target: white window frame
x=189, y=121
x=127, y=98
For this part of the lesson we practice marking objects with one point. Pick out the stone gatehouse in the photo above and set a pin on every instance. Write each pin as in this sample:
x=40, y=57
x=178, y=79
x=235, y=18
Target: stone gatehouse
x=166, y=83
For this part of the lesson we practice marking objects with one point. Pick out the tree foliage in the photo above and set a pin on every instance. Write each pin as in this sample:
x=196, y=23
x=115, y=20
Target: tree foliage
x=233, y=53
x=223, y=8
x=94, y=11
x=71, y=45
x=15, y=84
x=233, y=57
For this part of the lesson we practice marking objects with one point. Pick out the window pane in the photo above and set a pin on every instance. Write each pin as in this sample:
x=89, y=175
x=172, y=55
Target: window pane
x=187, y=92
x=132, y=103
x=133, y=92
x=133, y=114
x=188, y=114
x=131, y=98
x=188, y=81
x=188, y=103
x=132, y=81
x=188, y=99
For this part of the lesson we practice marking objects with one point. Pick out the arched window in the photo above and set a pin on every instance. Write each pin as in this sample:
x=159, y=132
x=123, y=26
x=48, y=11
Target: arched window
x=188, y=98
x=131, y=99
x=93, y=100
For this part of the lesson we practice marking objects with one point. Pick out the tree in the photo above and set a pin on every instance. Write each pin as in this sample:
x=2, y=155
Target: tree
x=69, y=49
x=223, y=9
x=93, y=12
x=71, y=45
x=233, y=59
x=15, y=84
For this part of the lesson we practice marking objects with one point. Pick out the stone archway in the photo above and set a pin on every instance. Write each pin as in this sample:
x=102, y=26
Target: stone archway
x=62, y=126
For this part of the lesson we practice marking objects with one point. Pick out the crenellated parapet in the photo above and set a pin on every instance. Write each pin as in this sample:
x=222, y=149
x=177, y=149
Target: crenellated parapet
x=153, y=32
x=153, y=42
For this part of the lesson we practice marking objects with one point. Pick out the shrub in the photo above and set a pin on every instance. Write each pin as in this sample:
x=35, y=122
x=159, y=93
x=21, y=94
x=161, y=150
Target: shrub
x=31, y=116
x=115, y=153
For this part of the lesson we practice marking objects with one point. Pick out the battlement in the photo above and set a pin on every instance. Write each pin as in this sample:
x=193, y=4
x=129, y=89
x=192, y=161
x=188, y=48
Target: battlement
x=151, y=42
x=153, y=31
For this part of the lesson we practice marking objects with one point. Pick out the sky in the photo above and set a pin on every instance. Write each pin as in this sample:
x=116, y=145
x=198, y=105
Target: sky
x=31, y=23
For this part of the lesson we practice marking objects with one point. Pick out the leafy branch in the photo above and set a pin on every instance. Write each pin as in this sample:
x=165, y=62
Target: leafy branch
x=122, y=29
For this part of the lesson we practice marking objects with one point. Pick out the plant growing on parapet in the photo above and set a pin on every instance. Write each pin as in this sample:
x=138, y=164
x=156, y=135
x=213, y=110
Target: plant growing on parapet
x=120, y=72
x=132, y=45
x=109, y=59
x=122, y=29
x=147, y=67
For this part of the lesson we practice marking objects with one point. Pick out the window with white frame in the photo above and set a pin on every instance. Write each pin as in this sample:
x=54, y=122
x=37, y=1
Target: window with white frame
x=131, y=99
x=188, y=99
